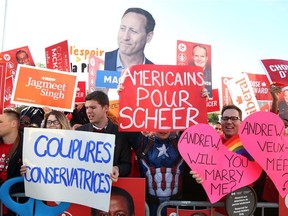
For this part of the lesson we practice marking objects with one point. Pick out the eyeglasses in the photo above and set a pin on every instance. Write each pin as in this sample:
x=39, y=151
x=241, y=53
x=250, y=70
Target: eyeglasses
x=56, y=122
x=232, y=118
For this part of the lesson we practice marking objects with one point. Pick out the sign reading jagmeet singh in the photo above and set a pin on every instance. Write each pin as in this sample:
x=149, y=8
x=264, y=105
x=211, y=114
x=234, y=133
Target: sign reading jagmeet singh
x=41, y=87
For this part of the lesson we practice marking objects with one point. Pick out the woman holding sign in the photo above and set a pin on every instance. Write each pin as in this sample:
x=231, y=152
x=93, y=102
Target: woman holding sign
x=53, y=120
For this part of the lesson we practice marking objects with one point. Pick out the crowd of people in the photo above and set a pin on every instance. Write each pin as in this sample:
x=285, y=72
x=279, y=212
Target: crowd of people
x=167, y=175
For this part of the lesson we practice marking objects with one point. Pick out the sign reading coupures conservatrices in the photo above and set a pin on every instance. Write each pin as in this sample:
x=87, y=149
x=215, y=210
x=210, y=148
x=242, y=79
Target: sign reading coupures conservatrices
x=70, y=166
x=161, y=97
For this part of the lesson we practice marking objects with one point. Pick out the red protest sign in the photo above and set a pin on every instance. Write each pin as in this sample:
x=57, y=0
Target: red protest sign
x=57, y=56
x=161, y=97
x=213, y=103
x=276, y=71
x=2, y=84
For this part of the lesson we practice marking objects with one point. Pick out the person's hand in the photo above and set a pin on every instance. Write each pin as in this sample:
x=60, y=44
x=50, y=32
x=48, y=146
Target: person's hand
x=196, y=176
x=115, y=174
x=23, y=170
x=274, y=90
x=120, y=88
x=76, y=126
x=205, y=93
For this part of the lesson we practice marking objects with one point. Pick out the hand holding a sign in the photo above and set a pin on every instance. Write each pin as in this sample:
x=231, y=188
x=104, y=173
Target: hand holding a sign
x=115, y=174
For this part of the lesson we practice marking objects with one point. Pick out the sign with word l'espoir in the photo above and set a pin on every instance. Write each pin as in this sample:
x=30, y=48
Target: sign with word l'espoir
x=161, y=97
x=44, y=87
x=68, y=166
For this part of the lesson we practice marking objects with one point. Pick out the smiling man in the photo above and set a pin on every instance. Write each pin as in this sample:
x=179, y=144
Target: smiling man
x=135, y=31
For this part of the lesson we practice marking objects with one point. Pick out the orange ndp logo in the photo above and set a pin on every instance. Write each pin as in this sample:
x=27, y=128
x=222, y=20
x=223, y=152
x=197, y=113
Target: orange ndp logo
x=44, y=87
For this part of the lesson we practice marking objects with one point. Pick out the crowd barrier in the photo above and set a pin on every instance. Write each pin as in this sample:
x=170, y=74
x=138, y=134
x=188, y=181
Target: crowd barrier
x=38, y=204
x=196, y=205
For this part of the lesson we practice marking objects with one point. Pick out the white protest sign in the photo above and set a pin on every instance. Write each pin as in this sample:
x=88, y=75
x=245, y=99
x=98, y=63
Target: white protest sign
x=242, y=94
x=69, y=166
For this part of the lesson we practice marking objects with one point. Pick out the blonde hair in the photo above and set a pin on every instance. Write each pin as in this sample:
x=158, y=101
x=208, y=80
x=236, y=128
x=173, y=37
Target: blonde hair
x=61, y=117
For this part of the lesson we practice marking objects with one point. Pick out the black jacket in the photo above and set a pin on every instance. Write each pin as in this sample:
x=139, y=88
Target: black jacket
x=15, y=164
x=122, y=151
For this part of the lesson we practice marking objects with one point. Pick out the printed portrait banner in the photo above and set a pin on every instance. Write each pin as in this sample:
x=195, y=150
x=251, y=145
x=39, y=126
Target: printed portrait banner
x=107, y=79
x=9, y=57
x=68, y=166
x=161, y=97
x=263, y=136
x=197, y=54
x=2, y=83
x=222, y=167
x=276, y=71
x=57, y=56
x=213, y=103
x=80, y=92
x=44, y=87
x=242, y=94
x=137, y=189
x=261, y=86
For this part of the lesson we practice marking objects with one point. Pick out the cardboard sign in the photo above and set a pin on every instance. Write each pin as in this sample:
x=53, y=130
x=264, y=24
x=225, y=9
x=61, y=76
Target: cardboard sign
x=222, y=170
x=2, y=85
x=261, y=86
x=80, y=92
x=57, y=57
x=107, y=79
x=262, y=134
x=276, y=71
x=43, y=87
x=67, y=165
x=10, y=58
x=226, y=97
x=197, y=54
x=161, y=97
x=95, y=64
x=213, y=103
x=243, y=95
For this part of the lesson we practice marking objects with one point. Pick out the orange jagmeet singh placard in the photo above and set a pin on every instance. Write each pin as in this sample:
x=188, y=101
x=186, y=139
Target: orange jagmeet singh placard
x=44, y=87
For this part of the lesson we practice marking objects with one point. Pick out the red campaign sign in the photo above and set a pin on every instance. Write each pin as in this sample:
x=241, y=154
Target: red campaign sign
x=197, y=54
x=213, y=103
x=260, y=85
x=161, y=98
x=80, y=92
x=226, y=97
x=95, y=64
x=57, y=57
x=276, y=71
x=8, y=92
x=24, y=57
x=2, y=83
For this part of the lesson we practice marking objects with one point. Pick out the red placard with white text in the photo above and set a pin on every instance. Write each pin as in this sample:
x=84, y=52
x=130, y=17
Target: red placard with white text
x=213, y=103
x=261, y=86
x=226, y=97
x=8, y=92
x=276, y=71
x=9, y=57
x=161, y=98
x=2, y=85
x=57, y=56
x=80, y=92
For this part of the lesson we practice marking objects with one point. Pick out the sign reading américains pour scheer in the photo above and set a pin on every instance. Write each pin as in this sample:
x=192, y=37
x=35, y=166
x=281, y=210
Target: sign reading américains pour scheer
x=44, y=87
x=68, y=165
x=161, y=97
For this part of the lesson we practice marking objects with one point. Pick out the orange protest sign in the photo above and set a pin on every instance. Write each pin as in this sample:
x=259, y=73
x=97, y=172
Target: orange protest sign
x=44, y=87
